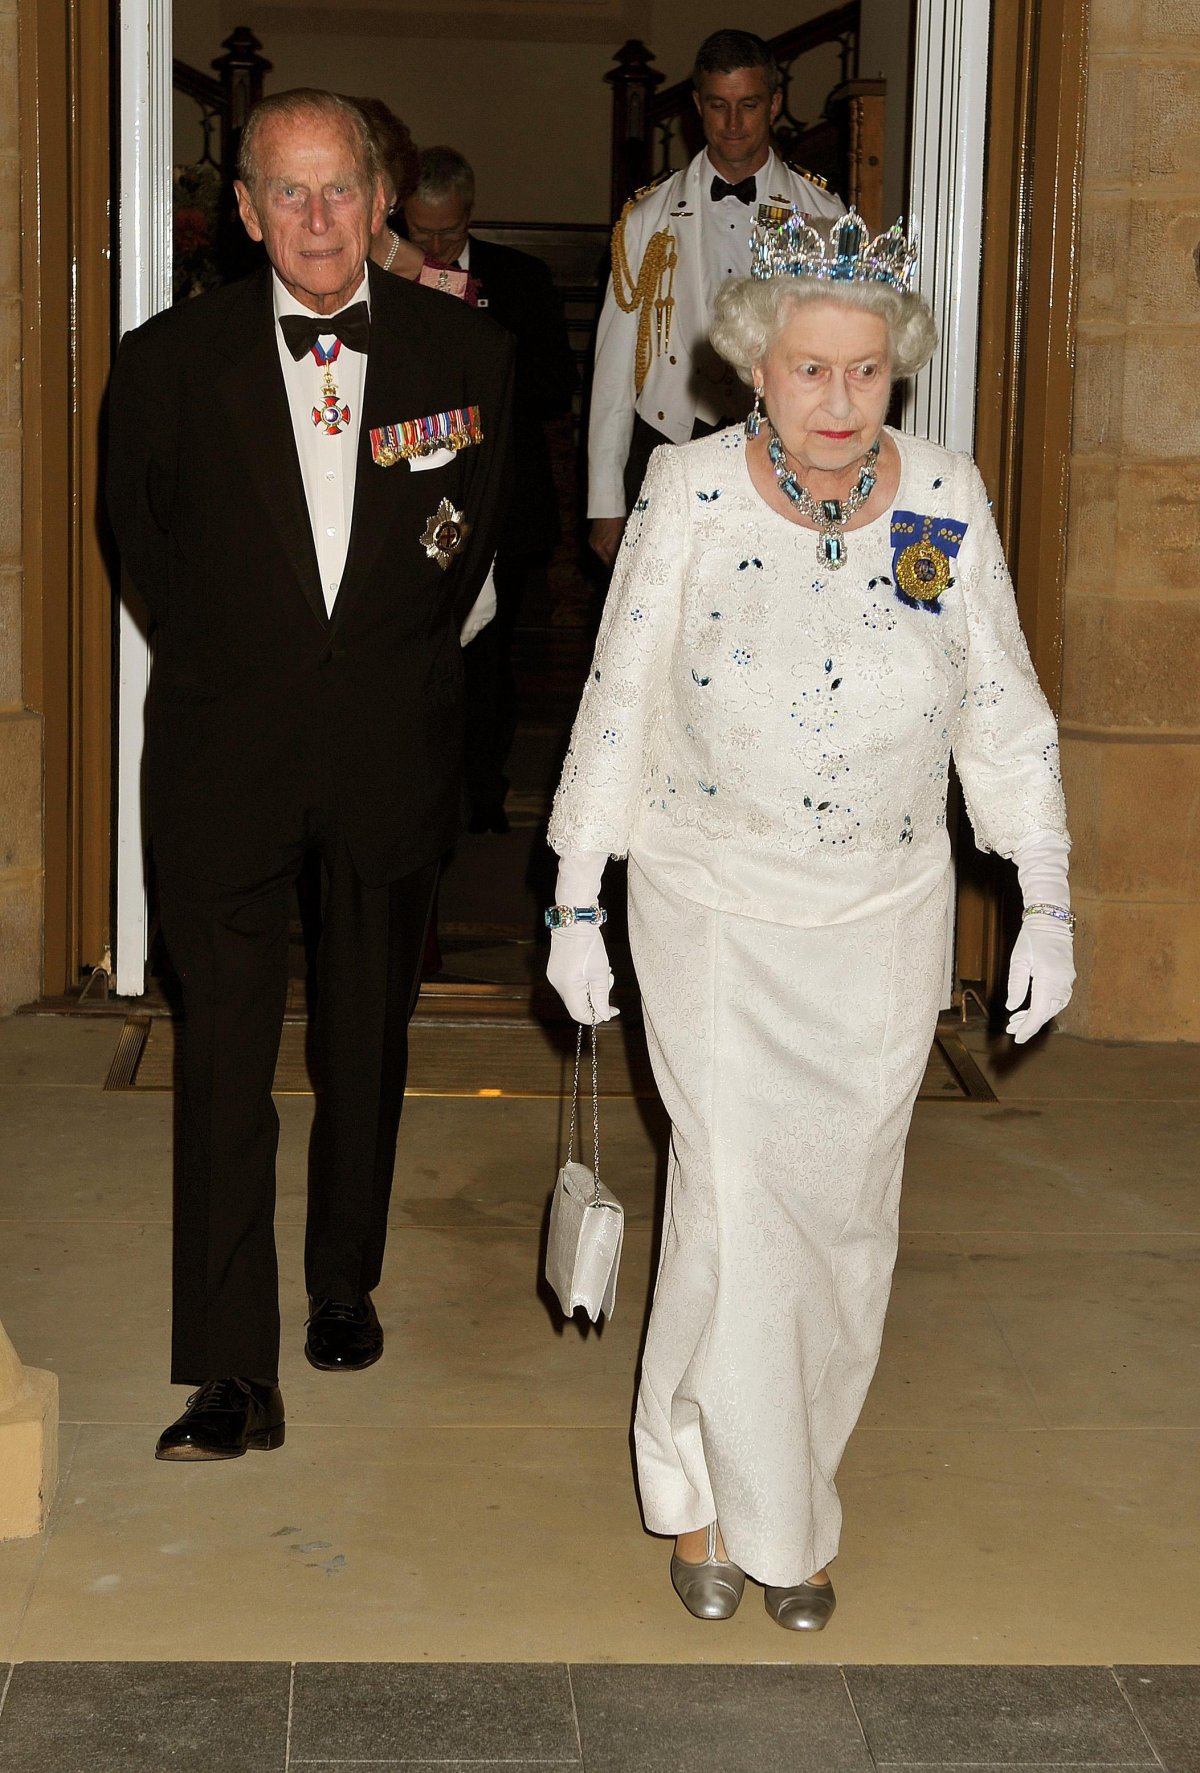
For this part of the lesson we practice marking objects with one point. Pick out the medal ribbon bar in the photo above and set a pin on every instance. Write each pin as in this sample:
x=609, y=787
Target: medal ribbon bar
x=457, y=428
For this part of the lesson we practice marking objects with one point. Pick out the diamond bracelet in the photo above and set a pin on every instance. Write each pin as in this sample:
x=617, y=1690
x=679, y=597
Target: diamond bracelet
x=561, y=917
x=1058, y=911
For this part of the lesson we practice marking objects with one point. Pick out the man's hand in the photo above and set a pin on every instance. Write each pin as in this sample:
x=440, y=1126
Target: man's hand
x=604, y=537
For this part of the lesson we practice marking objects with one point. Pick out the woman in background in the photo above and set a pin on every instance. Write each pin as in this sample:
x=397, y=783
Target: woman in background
x=398, y=158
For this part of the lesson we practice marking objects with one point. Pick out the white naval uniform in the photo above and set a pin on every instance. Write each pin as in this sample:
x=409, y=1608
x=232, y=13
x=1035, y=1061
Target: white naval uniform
x=686, y=381
x=769, y=743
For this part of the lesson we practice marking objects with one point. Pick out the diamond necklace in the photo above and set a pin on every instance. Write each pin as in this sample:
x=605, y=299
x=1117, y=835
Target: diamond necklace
x=829, y=515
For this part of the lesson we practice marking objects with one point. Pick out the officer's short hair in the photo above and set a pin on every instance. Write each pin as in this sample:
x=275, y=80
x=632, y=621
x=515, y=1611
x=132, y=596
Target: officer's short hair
x=727, y=51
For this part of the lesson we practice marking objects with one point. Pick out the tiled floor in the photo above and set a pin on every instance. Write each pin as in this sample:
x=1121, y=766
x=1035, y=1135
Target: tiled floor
x=1022, y=1496
x=248, y=1717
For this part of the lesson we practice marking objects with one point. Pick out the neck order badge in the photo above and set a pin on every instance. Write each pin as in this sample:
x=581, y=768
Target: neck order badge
x=329, y=415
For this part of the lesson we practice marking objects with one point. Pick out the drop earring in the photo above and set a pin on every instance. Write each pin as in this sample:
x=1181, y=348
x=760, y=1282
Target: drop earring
x=754, y=417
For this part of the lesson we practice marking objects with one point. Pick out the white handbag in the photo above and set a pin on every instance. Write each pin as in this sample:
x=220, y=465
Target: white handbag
x=587, y=1223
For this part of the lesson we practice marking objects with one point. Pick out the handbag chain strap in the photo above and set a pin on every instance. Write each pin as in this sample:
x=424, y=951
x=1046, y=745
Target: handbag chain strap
x=595, y=1101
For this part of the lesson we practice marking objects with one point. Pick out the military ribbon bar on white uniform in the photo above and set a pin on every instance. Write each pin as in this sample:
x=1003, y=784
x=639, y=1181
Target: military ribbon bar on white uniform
x=458, y=428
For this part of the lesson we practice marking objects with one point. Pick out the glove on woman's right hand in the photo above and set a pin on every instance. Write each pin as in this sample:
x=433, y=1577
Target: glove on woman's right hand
x=578, y=959
x=578, y=967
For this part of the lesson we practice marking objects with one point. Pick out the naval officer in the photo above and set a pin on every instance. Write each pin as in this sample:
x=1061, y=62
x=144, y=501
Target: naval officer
x=657, y=379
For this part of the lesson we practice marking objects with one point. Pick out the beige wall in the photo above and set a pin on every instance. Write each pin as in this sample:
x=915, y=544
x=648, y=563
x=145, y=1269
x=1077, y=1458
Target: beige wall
x=20, y=730
x=1131, y=694
x=531, y=113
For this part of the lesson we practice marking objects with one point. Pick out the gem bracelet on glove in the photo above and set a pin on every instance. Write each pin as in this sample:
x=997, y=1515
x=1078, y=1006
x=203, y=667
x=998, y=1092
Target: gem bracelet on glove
x=561, y=917
x=1058, y=911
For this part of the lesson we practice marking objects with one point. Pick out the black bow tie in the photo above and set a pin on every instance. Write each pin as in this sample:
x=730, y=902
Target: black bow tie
x=352, y=326
x=745, y=190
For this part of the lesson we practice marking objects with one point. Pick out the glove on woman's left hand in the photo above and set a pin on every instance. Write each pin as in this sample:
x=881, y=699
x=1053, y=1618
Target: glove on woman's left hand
x=1042, y=965
x=1043, y=968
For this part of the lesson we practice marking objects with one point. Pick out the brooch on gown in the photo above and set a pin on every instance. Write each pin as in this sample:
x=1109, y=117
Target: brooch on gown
x=922, y=549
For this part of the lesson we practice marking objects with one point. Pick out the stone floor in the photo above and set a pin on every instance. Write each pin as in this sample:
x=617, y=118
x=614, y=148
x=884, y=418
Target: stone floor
x=445, y=1563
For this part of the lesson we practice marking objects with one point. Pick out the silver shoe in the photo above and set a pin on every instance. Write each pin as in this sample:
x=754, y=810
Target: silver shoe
x=710, y=1590
x=807, y=1607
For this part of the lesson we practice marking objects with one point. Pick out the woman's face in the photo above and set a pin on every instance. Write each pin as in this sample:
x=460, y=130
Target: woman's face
x=826, y=380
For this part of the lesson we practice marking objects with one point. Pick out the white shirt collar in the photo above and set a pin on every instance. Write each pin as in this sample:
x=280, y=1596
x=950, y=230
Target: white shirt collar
x=287, y=304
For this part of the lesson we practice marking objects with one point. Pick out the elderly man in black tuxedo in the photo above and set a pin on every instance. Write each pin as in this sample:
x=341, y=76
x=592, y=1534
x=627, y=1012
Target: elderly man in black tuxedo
x=307, y=476
x=517, y=290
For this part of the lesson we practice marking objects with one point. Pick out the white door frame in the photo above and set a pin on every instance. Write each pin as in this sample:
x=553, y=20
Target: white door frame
x=144, y=287
x=949, y=111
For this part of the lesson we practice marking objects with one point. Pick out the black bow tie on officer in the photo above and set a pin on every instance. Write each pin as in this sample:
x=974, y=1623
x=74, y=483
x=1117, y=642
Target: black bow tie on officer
x=745, y=190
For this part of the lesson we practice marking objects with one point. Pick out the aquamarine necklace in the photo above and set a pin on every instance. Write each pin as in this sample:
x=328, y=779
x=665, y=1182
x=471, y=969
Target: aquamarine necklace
x=830, y=515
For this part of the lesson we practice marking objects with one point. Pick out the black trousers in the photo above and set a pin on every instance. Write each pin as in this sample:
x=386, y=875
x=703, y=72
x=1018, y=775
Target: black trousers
x=229, y=946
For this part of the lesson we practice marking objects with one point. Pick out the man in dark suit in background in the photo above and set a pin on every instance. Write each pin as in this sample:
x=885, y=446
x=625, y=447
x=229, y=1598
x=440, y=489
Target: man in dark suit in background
x=307, y=478
x=517, y=290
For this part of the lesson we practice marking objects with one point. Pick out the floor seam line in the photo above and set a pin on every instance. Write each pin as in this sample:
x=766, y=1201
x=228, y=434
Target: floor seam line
x=287, y=1739
x=841, y=1668
x=1136, y=1716
x=574, y=1712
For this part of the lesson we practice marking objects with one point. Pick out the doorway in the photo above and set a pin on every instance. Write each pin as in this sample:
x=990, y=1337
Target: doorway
x=971, y=62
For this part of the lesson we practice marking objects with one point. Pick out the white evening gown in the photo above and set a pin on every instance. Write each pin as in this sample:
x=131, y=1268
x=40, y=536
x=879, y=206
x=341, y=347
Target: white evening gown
x=769, y=741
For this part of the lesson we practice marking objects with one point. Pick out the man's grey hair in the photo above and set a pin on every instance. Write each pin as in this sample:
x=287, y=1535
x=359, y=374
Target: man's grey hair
x=444, y=172
x=305, y=104
x=750, y=314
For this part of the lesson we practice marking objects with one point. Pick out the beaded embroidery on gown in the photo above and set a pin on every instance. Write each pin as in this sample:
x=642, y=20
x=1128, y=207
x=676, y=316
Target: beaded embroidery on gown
x=769, y=742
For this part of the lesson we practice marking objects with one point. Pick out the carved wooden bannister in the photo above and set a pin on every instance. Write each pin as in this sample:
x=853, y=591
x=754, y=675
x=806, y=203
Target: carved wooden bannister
x=227, y=101
x=844, y=144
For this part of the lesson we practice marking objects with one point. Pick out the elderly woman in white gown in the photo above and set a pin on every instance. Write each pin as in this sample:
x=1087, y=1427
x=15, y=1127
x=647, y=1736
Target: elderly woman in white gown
x=806, y=622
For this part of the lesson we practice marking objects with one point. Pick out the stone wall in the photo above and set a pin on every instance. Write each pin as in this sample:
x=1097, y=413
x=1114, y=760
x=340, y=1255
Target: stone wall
x=1131, y=690
x=20, y=730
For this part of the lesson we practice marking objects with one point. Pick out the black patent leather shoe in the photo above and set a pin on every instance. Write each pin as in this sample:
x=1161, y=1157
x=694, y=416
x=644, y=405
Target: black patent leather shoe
x=343, y=1337
x=223, y=1420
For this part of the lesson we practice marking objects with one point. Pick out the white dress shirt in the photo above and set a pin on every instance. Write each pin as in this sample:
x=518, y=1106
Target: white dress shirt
x=726, y=227
x=327, y=464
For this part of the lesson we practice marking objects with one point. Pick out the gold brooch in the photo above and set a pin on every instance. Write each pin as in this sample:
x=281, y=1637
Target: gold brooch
x=922, y=571
x=445, y=534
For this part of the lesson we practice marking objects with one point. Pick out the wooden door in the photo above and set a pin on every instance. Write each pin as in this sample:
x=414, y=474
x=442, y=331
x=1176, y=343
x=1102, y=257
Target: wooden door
x=67, y=608
x=1026, y=366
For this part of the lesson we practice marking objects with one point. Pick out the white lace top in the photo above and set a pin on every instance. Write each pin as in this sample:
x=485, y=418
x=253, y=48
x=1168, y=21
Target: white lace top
x=776, y=735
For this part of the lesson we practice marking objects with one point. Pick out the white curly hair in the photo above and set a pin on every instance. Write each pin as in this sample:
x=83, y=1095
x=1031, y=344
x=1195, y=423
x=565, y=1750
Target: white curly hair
x=750, y=313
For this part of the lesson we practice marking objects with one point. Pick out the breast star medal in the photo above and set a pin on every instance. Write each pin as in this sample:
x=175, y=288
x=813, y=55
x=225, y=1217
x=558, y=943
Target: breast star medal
x=330, y=416
x=922, y=550
x=445, y=534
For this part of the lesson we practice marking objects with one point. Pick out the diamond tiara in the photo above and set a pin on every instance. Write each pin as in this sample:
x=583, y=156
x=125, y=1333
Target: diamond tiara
x=784, y=243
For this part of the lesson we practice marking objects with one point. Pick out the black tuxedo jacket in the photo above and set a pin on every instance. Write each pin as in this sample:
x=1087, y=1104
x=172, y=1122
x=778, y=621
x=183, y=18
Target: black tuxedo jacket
x=256, y=692
x=520, y=294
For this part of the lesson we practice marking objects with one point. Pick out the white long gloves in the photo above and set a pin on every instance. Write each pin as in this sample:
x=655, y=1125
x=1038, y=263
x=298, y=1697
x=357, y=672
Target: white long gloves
x=578, y=968
x=1042, y=965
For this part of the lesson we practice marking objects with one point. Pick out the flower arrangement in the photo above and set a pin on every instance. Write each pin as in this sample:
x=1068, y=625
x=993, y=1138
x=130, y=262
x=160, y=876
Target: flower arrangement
x=196, y=207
